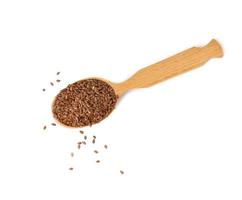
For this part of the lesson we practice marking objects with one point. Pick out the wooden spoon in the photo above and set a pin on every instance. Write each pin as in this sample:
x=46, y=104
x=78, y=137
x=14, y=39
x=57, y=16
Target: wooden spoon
x=76, y=107
x=172, y=66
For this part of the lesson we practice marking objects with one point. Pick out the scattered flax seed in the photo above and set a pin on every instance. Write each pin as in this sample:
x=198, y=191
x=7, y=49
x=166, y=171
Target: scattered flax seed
x=81, y=131
x=43, y=89
x=95, y=151
x=71, y=168
x=94, y=137
x=72, y=154
x=57, y=73
x=79, y=145
x=93, y=141
x=52, y=84
x=83, y=142
x=97, y=161
x=85, y=137
x=53, y=124
x=44, y=127
x=58, y=80
x=121, y=172
x=105, y=146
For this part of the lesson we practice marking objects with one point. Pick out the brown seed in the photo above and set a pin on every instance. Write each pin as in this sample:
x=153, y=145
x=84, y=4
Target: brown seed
x=52, y=84
x=71, y=168
x=81, y=131
x=85, y=137
x=58, y=80
x=72, y=154
x=95, y=151
x=97, y=161
x=105, y=146
x=94, y=137
x=44, y=127
x=79, y=144
x=53, y=124
x=93, y=141
x=57, y=73
x=43, y=89
x=121, y=172
x=79, y=105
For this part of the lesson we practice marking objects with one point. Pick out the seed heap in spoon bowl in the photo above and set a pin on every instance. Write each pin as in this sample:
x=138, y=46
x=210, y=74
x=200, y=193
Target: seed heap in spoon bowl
x=84, y=103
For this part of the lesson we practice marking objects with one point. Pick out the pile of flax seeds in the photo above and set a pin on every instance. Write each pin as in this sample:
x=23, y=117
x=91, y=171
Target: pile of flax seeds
x=84, y=140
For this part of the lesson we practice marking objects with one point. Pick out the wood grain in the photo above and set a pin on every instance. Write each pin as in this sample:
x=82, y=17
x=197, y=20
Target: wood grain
x=172, y=66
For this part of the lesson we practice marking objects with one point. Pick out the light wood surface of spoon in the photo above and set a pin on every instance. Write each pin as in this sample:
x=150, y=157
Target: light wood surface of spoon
x=172, y=66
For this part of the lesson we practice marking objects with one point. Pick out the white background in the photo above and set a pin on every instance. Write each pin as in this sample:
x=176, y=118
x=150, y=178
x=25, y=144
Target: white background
x=181, y=139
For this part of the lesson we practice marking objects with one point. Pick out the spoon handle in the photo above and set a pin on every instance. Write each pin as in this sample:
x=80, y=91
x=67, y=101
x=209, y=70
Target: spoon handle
x=172, y=66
